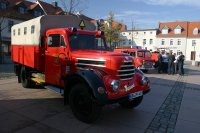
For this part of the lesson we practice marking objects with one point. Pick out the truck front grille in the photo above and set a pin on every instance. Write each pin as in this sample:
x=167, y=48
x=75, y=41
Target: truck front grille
x=84, y=62
x=147, y=64
x=126, y=71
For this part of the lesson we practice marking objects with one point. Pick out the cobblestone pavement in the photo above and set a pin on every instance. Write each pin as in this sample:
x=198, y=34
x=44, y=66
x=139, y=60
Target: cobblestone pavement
x=166, y=117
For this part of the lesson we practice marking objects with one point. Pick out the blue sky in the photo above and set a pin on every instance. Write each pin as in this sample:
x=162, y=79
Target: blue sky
x=143, y=13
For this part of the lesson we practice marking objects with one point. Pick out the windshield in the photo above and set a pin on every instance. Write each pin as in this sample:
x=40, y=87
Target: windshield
x=89, y=42
x=144, y=54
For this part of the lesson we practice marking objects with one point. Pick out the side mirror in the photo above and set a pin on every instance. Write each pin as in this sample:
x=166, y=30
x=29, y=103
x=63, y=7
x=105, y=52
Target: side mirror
x=49, y=40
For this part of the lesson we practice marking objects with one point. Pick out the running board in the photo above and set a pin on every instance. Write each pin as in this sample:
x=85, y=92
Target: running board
x=55, y=89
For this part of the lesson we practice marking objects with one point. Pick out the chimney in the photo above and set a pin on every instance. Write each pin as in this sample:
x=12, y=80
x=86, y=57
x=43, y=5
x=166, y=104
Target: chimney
x=54, y=3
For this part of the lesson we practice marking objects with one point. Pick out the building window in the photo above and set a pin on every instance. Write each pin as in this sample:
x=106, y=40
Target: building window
x=136, y=33
x=195, y=31
x=37, y=13
x=165, y=30
x=179, y=42
x=129, y=33
x=123, y=33
x=25, y=30
x=13, y=32
x=124, y=42
x=2, y=5
x=18, y=31
x=171, y=42
x=177, y=31
x=144, y=33
x=162, y=42
x=32, y=29
x=10, y=24
x=21, y=10
x=151, y=32
x=144, y=41
x=194, y=43
x=151, y=41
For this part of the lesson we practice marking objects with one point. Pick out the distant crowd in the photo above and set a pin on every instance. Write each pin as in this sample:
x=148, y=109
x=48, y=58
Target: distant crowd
x=171, y=63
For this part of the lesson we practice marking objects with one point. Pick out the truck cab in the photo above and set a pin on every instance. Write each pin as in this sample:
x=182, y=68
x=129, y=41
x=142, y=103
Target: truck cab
x=76, y=63
x=141, y=57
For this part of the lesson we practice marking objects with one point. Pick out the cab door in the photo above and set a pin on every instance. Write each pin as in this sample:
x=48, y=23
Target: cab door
x=54, y=58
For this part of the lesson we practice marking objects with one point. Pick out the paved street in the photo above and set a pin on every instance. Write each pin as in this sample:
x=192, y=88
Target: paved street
x=171, y=106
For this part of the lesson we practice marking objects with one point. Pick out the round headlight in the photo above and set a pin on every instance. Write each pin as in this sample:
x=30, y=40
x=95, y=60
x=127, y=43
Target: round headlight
x=145, y=80
x=115, y=85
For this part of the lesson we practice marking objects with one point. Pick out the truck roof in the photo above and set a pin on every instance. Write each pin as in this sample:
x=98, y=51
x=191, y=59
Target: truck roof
x=30, y=32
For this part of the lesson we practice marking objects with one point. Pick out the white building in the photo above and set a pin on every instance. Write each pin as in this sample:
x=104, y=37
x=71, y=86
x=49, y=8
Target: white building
x=193, y=42
x=145, y=38
x=179, y=36
x=172, y=36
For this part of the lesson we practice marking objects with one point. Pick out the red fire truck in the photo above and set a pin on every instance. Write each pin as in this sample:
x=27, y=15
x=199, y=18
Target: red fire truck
x=76, y=63
x=141, y=57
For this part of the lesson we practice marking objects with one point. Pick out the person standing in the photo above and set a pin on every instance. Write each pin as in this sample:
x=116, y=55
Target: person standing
x=160, y=63
x=175, y=64
x=180, y=60
x=165, y=57
x=171, y=60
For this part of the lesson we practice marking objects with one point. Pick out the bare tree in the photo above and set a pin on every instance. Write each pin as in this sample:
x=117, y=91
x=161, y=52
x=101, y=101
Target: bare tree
x=73, y=6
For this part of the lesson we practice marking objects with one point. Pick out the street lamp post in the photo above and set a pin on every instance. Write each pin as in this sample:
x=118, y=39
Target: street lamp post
x=194, y=55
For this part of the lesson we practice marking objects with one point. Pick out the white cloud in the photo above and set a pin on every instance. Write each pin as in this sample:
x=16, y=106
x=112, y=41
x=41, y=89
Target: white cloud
x=170, y=2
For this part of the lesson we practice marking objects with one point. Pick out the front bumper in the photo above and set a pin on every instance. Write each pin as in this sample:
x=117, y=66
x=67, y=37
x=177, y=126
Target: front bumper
x=124, y=98
x=146, y=68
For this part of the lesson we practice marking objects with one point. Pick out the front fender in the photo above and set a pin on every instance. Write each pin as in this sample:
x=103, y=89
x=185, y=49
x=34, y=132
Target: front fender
x=94, y=83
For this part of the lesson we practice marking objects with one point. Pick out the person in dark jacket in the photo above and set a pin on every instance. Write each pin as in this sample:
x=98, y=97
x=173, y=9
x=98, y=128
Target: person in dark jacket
x=171, y=60
x=160, y=64
x=180, y=60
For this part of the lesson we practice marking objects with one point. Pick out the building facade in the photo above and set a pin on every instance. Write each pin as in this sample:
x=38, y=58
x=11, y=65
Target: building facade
x=178, y=37
x=145, y=38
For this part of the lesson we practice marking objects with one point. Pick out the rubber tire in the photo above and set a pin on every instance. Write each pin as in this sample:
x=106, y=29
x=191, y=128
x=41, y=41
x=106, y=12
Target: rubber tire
x=81, y=99
x=19, y=78
x=131, y=104
x=26, y=83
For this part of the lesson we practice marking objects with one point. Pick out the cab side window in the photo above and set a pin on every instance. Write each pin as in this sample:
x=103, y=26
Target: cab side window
x=62, y=41
x=132, y=54
x=54, y=40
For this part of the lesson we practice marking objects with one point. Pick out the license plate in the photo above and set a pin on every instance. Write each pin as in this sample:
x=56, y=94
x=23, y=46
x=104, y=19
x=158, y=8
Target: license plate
x=134, y=95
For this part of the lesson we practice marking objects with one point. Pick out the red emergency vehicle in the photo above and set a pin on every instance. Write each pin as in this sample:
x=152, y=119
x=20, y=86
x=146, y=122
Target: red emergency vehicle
x=76, y=63
x=141, y=57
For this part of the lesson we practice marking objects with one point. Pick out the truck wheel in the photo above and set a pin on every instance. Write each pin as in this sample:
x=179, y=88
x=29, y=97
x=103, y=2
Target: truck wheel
x=19, y=78
x=83, y=104
x=26, y=83
x=131, y=104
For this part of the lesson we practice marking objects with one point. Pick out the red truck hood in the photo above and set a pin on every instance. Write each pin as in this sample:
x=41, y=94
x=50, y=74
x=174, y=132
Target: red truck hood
x=104, y=60
x=95, y=53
